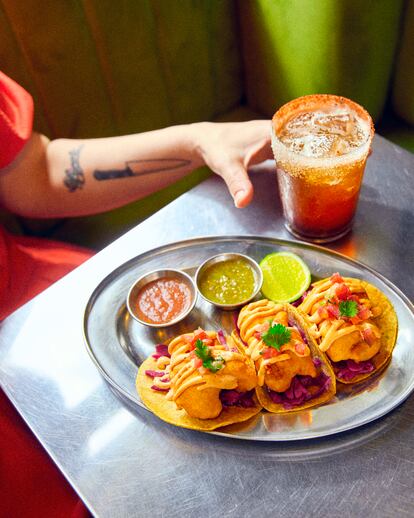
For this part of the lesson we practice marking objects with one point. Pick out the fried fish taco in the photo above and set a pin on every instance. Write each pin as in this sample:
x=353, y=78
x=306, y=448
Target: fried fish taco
x=292, y=374
x=354, y=323
x=200, y=381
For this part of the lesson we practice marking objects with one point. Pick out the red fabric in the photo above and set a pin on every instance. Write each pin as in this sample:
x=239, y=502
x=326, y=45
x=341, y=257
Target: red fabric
x=30, y=483
x=16, y=119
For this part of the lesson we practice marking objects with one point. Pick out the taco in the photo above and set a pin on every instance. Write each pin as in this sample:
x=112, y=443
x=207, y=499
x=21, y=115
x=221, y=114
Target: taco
x=292, y=374
x=200, y=381
x=354, y=323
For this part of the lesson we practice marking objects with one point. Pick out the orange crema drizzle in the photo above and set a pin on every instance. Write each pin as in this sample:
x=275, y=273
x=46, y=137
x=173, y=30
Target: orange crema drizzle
x=182, y=372
x=251, y=320
x=327, y=330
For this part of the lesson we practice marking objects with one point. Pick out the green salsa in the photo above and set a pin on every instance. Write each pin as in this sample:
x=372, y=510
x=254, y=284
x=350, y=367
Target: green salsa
x=228, y=282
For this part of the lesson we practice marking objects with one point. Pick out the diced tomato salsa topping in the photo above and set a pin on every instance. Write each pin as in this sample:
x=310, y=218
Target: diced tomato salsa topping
x=342, y=291
x=199, y=334
x=364, y=313
x=323, y=312
x=333, y=311
x=270, y=352
x=338, y=293
x=300, y=347
x=198, y=362
x=335, y=277
x=260, y=329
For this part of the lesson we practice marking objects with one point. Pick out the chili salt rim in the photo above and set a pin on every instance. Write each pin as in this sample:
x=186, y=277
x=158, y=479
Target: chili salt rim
x=312, y=102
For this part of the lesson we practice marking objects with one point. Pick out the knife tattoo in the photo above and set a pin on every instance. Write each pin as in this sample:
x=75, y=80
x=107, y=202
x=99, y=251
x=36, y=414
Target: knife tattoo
x=74, y=176
x=141, y=168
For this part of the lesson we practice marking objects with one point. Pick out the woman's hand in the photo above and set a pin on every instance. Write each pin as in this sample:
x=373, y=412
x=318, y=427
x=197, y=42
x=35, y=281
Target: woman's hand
x=230, y=148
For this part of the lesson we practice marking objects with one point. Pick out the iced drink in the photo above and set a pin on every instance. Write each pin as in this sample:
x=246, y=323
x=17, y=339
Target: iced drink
x=321, y=144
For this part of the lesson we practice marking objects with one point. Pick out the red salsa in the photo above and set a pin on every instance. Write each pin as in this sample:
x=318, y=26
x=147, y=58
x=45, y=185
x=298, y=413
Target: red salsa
x=163, y=300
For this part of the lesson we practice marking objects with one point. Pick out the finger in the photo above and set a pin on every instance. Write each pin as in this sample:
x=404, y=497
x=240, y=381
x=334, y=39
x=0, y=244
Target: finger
x=259, y=151
x=243, y=197
x=238, y=183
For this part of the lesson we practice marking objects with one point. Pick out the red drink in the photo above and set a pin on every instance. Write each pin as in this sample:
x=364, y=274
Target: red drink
x=320, y=144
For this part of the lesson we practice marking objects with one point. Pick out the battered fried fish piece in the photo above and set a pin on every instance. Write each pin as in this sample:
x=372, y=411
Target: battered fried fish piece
x=285, y=357
x=353, y=323
x=206, y=382
x=279, y=375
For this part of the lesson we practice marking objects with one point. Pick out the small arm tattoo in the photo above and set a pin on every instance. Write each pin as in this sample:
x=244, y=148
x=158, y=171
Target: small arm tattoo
x=74, y=176
x=141, y=168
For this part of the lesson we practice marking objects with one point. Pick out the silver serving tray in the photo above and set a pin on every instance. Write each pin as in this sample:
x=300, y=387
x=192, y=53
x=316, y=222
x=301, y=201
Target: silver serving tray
x=118, y=344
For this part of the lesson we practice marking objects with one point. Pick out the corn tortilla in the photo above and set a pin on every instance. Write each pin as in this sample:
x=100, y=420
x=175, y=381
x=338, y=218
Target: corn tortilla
x=387, y=323
x=263, y=395
x=167, y=410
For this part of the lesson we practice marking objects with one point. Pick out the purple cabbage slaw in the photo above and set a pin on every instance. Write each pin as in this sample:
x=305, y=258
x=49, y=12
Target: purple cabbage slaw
x=161, y=350
x=235, y=398
x=292, y=323
x=158, y=374
x=154, y=374
x=349, y=369
x=159, y=389
x=222, y=339
x=298, y=392
x=299, y=301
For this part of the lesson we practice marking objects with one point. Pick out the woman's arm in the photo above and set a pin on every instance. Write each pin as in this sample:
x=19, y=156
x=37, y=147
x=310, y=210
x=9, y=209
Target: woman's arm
x=66, y=177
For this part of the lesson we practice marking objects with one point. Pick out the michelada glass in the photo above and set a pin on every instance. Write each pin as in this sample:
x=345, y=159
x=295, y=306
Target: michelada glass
x=320, y=144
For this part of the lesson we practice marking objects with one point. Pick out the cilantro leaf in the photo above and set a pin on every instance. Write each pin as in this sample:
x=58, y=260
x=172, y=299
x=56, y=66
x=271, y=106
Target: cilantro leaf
x=203, y=352
x=276, y=336
x=215, y=364
x=348, y=308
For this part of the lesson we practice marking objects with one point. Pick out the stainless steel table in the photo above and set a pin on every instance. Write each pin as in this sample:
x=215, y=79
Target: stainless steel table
x=125, y=462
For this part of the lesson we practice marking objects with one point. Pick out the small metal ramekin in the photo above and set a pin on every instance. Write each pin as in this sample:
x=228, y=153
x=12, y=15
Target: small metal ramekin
x=153, y=276
x=257, y=272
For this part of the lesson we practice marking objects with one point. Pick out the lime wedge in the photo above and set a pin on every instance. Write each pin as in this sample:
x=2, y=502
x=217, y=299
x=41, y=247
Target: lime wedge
x=285, y=276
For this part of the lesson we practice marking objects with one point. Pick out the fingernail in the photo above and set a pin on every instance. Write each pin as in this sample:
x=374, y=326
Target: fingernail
x=238, y=197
